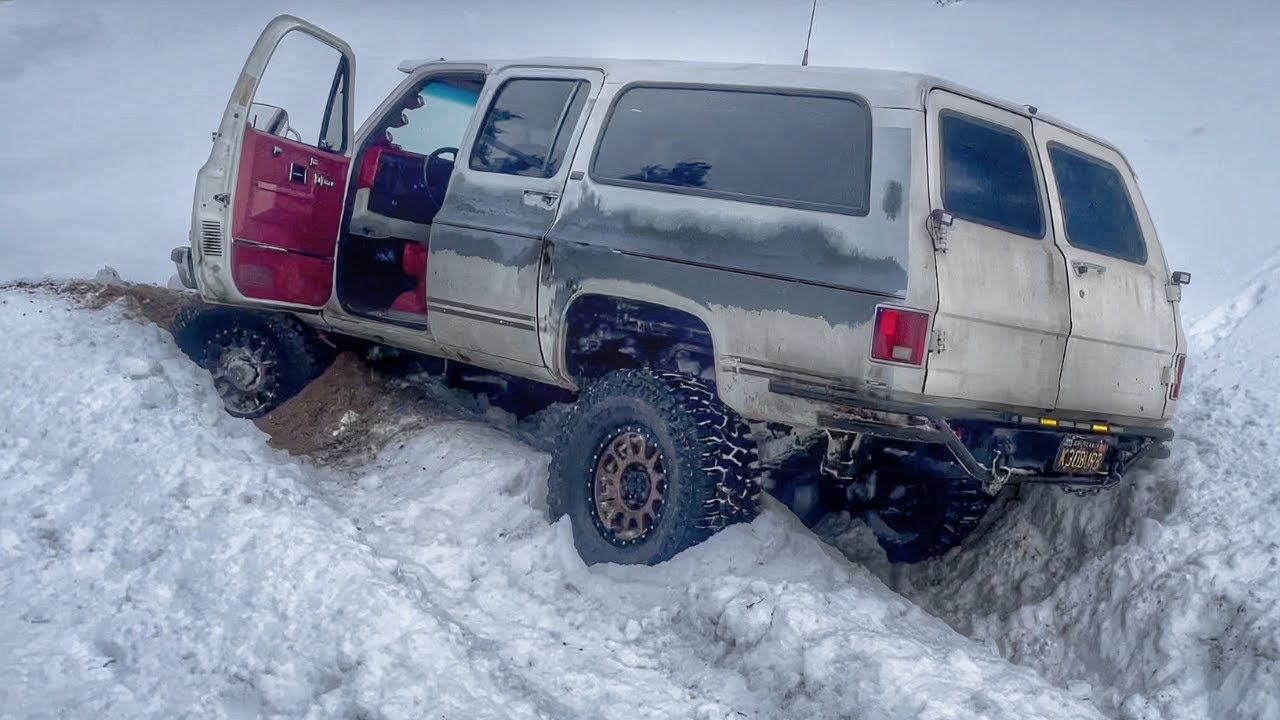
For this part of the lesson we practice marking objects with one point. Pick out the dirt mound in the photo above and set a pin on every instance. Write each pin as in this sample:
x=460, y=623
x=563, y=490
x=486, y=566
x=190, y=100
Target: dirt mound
x=142, y=302
x=349, y=413
x=345, y=416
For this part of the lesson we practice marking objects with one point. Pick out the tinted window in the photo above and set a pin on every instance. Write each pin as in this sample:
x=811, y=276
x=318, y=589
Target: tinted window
x=987, y=176
x=1096, y=208
x=527, y=129
x=784, y=148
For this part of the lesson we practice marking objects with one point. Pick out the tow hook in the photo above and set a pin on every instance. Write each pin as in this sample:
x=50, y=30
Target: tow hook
x=1000, y=475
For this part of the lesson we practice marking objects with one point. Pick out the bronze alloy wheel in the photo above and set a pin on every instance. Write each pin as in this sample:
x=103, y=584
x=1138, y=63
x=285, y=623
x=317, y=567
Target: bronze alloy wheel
x=628, y=486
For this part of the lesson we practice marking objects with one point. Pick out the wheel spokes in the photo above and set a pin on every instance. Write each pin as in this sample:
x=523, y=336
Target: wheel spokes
x=629, y=485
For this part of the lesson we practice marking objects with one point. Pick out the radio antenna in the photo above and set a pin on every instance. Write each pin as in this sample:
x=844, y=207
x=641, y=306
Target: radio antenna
x=813, y=11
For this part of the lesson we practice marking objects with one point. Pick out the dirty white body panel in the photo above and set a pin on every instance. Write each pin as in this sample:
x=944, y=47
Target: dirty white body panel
x=1003, y=312
x=788, y=294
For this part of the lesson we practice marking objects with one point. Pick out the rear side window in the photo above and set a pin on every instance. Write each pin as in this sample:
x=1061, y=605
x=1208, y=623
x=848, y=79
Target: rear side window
x=527, y=129
x=1096, y=207
x=988, y=176
x=798, y=150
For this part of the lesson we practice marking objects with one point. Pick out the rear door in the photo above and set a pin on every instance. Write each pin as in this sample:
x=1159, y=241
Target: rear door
x=486, y=247
x=1003, y=313
x=268, y=202
x=1123, y=327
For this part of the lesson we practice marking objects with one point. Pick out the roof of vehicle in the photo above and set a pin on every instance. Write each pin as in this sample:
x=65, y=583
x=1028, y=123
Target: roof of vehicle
x=880, y=88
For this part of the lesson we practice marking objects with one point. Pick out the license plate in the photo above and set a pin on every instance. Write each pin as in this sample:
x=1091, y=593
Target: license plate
x=1082, y=454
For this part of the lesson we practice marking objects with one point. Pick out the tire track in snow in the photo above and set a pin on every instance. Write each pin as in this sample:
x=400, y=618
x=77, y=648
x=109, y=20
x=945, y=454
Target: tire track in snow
x=211, y=575
x=762, y=621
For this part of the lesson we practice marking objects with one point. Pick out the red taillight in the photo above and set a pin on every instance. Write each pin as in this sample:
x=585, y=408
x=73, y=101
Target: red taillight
x=1179, y=362
x=900, y=335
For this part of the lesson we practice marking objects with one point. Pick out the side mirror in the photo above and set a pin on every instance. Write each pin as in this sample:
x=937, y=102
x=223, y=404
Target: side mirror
x=269, y=119
x=1180, y=278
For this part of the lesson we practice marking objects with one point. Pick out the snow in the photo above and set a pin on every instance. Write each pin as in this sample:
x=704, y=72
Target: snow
x=1164, y=595
x=160, y=560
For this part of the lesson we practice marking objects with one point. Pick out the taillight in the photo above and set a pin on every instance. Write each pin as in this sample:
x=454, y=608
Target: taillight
x=1179, y=362
x=900, y=335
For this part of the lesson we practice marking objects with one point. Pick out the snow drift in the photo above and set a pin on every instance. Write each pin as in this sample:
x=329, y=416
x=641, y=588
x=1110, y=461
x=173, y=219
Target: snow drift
x=161, y=560
x=1165, y=594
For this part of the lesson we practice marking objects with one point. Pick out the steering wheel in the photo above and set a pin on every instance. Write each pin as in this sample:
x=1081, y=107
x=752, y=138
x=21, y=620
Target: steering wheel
x=437, y=172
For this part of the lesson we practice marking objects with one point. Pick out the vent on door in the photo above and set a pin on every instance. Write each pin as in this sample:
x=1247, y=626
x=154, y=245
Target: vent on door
x=210, y=238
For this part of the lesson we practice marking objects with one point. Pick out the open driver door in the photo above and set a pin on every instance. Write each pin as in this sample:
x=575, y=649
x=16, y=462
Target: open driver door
x=268, y=203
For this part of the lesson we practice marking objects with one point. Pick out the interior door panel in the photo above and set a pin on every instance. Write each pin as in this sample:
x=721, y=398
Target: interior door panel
x=287, y=209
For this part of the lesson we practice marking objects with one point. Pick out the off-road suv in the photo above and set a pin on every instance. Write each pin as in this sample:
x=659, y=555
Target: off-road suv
x=872, y=289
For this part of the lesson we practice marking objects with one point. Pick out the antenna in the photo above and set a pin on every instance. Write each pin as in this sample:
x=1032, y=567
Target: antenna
x=812, y=12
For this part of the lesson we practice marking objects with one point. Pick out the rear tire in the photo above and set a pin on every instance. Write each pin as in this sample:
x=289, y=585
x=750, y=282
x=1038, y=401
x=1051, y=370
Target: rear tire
x=921, y=507
x=650, y=464
x=257, y=360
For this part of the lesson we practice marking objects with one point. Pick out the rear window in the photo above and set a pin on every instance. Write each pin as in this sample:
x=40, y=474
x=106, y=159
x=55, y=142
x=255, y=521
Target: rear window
x=1096, y=207
x=988, y=176
x=527, y=130
x=798, y=150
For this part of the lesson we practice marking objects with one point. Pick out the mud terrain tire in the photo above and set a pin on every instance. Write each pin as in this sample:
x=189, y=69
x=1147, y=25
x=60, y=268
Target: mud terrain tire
x=925, y=507
x=662, y=435
x=281, y=354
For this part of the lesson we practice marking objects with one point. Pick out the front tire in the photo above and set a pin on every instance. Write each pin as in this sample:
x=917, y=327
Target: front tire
x=650, y=464
x=257, y=360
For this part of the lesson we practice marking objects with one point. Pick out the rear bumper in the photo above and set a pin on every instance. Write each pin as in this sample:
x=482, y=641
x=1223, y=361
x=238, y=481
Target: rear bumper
x=996, y=447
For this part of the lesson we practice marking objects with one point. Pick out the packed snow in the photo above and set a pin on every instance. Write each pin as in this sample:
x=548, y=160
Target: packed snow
x=1160, y=599
x=160, y=560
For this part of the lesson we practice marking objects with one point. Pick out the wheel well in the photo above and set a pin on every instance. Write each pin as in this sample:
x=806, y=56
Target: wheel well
x=606, y=333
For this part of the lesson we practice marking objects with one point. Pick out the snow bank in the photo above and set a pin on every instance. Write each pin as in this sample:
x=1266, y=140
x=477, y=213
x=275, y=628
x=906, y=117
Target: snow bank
x=1165, y=594
x=159, y=560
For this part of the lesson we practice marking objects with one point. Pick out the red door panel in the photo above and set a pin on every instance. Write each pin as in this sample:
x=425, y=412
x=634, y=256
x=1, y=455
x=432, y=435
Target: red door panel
x=287, y=211
x=269, y=274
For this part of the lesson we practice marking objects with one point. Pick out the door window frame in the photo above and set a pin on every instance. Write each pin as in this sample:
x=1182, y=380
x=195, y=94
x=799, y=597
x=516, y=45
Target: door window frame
x=1041, y=187
x=1050, y=147
x=580, y=85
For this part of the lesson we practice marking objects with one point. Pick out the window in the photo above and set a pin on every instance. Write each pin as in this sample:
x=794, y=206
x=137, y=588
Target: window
x=802, y=150
x=988, y=177
x=1096, y=208
x=528, y=127
x=436, y=116
x=302, y=95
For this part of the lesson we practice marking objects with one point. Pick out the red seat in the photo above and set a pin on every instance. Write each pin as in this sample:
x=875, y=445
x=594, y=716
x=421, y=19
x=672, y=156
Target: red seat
x=415, y=266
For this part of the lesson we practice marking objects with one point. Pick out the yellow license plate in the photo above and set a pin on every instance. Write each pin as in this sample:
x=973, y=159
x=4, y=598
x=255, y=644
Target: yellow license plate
x=1082, y=454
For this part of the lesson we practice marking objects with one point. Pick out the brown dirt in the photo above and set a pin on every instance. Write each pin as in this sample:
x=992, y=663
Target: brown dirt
x=344, y=417
x=141, y=302
x=348, y=414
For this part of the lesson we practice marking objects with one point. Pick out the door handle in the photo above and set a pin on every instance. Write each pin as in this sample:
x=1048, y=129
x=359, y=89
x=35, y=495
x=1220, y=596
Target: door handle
x=1083, y=268
x=544, y=200
x=297, y=173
